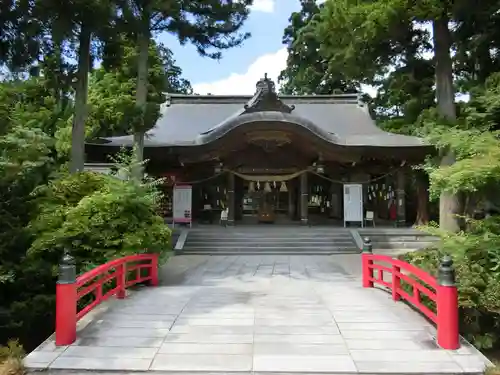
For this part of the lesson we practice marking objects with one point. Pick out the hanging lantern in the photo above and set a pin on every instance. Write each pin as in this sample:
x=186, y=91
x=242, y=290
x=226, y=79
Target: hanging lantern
x=320, y=168
x=267, y=187
x=258, y=185
x=283, y=187
x=251, y=187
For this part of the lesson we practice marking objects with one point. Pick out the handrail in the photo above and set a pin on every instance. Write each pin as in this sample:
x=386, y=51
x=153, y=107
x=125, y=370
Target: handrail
x=443, y=293
x=71, y=289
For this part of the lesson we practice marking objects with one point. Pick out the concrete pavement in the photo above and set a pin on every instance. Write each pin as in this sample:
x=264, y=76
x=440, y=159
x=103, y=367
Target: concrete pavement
x=260, y=314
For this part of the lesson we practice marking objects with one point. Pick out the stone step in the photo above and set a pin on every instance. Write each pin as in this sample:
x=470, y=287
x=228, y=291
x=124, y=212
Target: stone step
x=268, y=252
x=402, y=245
x=267, y=247
x=402, y=238
x=268, y=240
x=255, y=242
x=218, y=229
x=257, y=238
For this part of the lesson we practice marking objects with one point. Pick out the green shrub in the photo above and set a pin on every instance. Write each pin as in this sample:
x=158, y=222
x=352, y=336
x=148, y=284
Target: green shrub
x=11, y=358
x=96, y=218
x=476, y=261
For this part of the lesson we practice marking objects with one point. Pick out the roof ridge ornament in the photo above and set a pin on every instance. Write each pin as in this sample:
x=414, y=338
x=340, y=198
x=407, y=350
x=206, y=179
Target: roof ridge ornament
x=266, y=98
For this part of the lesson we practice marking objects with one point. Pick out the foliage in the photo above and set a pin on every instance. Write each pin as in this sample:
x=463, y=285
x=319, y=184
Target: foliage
x=211, y=26
x=112, y=91
x=13, y=349
x=97, y=217
x=26, y=287
x=11, y=357
x=476, y=256
x=307, y=71
x=475, y=145
x=475, y=176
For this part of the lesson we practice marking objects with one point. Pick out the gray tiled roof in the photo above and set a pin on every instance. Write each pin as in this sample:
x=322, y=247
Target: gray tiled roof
x=188, y=119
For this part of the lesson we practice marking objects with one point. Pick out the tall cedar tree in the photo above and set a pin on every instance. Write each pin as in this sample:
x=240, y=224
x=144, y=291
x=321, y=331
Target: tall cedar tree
x=365, y=37
x=306, y=71
x=71, y=26
x=19, y=35
x=210, y=25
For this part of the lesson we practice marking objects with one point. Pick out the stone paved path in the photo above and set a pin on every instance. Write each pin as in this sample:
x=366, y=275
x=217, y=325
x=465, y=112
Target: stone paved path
x=280, y=314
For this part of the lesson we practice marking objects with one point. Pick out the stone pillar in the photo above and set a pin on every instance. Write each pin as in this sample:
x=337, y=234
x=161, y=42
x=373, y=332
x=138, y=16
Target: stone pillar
x=400, y=198
x=230, y=198
x=304, y=199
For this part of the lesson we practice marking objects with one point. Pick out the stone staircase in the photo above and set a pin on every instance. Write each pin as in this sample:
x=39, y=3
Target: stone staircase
x=397, y=238
x=268, y=239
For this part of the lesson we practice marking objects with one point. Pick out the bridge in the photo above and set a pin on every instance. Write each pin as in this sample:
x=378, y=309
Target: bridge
x=347, y=313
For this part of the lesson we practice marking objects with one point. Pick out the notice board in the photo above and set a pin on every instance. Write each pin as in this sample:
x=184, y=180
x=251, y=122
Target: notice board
x=353, y=203
x=182, y=201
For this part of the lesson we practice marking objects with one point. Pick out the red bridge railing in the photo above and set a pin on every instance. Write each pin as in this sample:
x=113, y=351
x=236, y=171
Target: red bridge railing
x=441, y=291
x=77, y=296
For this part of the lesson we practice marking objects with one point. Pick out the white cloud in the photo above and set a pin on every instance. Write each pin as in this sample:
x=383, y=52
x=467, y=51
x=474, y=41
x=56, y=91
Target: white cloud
x=244, y=84
x=266, y=6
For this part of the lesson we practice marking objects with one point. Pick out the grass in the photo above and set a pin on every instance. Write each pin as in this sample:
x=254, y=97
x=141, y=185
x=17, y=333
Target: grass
x=493, y=356
x=11, y=359
x=489, y=371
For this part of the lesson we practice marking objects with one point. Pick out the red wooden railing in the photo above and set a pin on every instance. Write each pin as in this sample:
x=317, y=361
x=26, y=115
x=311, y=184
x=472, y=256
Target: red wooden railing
x=422, y=284
x=114, y=275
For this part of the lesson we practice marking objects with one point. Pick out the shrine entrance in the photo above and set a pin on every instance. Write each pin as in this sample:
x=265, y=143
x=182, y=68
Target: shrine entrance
x=267, y=202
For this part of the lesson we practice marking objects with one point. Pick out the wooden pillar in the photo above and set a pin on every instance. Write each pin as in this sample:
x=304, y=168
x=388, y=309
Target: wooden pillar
x=400, y=198
x=304, y=199
x=230, y=198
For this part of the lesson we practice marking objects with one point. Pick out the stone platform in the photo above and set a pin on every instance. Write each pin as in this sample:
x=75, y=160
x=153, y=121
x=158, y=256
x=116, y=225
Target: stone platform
x=269, y=314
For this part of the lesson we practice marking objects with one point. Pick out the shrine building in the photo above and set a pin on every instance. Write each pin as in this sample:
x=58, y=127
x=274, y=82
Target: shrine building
x=278, y=159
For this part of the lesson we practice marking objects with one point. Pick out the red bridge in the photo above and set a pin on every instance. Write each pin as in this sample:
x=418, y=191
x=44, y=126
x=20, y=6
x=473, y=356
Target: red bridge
x=266, y=314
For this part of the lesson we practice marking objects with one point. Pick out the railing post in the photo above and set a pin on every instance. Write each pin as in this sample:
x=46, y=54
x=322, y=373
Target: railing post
x=366, y=262
x=447, y=306
x=66, y=302
x=154, y=270
x=121, y=281
x=396, y=283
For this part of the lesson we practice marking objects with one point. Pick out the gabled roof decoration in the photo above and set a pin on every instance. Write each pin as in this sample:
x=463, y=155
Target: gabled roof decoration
x=266, y=99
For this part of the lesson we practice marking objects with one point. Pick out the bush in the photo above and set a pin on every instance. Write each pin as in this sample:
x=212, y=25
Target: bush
x=476, y=260
x=96, y=218
x=11, y=358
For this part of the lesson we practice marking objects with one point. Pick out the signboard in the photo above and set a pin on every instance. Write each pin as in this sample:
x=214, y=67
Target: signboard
x=182, y=204
x=353, y=203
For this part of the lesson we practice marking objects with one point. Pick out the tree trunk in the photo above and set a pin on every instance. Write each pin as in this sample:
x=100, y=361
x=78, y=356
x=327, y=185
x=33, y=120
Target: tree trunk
x=422, y=184
x=449, y=204
x=141, y=95
x=81, y=91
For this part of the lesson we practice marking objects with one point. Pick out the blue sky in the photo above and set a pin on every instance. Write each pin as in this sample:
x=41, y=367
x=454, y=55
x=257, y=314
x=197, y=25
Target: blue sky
x=240, y=68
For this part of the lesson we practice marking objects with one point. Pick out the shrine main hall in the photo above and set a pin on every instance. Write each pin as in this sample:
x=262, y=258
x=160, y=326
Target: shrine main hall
x=269, y=158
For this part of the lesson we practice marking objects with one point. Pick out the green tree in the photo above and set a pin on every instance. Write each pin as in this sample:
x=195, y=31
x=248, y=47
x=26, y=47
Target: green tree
x=307, y=71
x=112, y=109
x=476, y=38
x=69, y=29
x=367, y=39
x=210, y=25
x=19, y=36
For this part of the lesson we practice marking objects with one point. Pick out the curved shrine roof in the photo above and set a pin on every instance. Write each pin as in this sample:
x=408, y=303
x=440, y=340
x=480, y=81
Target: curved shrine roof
x=190, y=120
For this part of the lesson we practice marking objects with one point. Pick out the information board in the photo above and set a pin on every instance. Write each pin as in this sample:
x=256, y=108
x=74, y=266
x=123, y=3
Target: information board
x=182, y=196
x=353, y=203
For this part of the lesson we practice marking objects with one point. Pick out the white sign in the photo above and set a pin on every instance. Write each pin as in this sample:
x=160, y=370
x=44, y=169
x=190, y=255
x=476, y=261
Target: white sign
x=182, y=204
x=353, y=203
